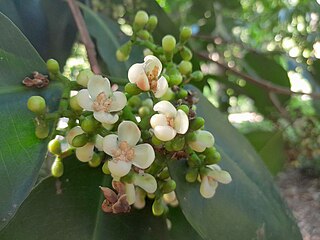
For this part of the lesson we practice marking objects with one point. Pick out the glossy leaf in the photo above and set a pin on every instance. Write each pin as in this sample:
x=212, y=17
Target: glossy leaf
x=21, y=152
x=250, y=206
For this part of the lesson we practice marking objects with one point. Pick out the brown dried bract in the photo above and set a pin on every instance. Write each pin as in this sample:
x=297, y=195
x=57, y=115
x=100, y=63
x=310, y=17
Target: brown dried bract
x=37, y=80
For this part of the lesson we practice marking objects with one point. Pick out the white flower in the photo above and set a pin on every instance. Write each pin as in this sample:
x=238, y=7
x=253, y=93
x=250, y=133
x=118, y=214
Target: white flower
x=100, y=100
x=209, y=182
x=85, y=153
x=146, y=75
x=171, y=199
x=124, y=150
x=169, y=121
x=203, y=140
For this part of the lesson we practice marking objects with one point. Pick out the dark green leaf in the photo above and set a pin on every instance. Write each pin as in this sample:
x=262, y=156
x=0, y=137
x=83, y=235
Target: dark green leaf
x=21, y=152
x=250, y=206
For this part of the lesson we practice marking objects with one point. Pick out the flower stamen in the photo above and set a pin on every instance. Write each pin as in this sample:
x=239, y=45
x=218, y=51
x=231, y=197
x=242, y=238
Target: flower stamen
x=153, y=78
x=102, y=103
x=124, y=152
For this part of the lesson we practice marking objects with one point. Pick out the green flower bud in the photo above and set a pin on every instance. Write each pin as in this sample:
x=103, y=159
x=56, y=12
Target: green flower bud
x=89, y=124
x=168, y=43
x=184, y=108
x=80, y=140
x=182, y=93
x=197, y=123
x=152, y=23
x=53, y=66
x=185, y=67
x=185, y=34
x=143, y=34
x=155, y=141
x=148, y=103
x=42, y=131
x=212, y=156
x=168, y=146
x=144, y=111
x=194, y=160
x=54, y=146
x=186, y=53
x=168, y=186
x=158, y=207
x=175, y=79
x=124, y=51
x=37, y=104
x=132, y=89
x=191, y=136
x=84, y=76
x=134, y=102
x=95, y=161
x=197, y=76
x=105, y=168
x=74, y=105
x=168, y=96
x=178, y=143
x=192, y=175
x=141, y=19
x=164, y=174
x=57, y=168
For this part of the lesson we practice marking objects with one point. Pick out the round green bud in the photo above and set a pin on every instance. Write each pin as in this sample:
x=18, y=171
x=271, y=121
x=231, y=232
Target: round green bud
x=143, y=34
x=158, y=207
x=57, y=168
x=164, y=174
x=191, y=136
x=204, y=171
x=152, y=23
x=54, y=146
x=105, y=168
x=197, y=123
x=84, y=76
x=80, y=140
x=178, y=143
x=148, y=103
x=74, y=105
x=194, y=160
x=185, y=34
x=186, y=53
x=134, y=102
x=197, y=76
x=141, y=19
x=168, y=43
x=155, y=141
x=192, y=175
x=175, y=79
x=37, y=104
x=182, y=93
x=121, y=57
x=185, y=67
x=212, y=158
x=144, y=111
x=42, y=131
x=168, y=186
x=132, y=89
x=95, y=161
x=53, y=66
x=184, y=108
x=168, y=96
x=124, y=51
x=89, y=124
x=168, y=146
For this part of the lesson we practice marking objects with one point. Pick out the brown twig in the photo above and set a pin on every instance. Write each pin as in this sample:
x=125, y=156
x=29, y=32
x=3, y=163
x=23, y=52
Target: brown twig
x=270, y=87
x=85, y=37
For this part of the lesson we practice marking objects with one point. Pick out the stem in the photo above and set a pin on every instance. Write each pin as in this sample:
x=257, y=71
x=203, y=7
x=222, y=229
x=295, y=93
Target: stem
x=85, y=37
x=270, y=87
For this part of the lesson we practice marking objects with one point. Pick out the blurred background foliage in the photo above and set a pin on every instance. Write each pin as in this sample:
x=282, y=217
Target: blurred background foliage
x=243, y=46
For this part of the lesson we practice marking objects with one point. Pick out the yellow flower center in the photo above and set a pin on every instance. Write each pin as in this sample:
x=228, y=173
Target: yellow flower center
x=102, y=103
x=170, y=121
x=124, y=153
x=153, y=78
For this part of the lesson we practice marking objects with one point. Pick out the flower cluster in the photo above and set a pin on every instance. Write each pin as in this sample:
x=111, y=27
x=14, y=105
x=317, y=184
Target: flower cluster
x=135, y=134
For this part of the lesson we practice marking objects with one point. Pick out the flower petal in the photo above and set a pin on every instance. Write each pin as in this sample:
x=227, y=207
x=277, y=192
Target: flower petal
x=146, y=181
x=105, y=117
x=85, y=153
x=151, y=62
x=128, y=131
x=119, y=101
x=98, y=84
x=110, y=144
x=137, y=75
x=140, y=198
x=164, y=133
x=143, y=155
x=158, y=120
x=204, y=139
x=220, y=176
x=119, y=168
x=162, y=87
x=98, y=142
x=84, y=100
x=181, y=122
x=207, y=187
x=72, y=133
x=131, y=193
x=166, y=108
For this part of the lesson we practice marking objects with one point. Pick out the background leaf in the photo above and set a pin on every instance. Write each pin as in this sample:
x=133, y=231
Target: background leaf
x=21, y=152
